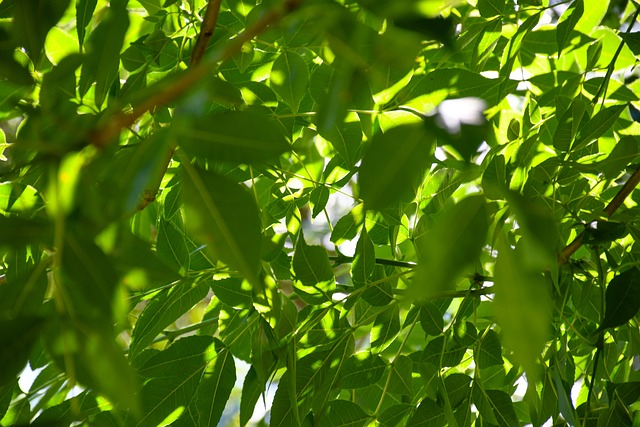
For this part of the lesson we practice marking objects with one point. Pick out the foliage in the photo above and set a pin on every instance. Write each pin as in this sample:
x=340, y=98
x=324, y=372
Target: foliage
x=209, y=205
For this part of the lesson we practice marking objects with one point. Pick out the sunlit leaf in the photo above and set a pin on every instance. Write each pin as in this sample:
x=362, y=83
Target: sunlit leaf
x=289, y=78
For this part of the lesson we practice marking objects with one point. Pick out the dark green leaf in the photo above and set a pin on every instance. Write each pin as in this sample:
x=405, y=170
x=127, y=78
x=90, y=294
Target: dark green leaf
x=342, y=413
x=232, y=136
x=362, y=370
x=84, y=12
x=597, y=126
x=252, y=389
x=223, y=215
x=233, y=292
x=319, y=197
x=32, y=21
x=399, y=381
x=489, y=351
x=602, y=232
x=632, y=39
x=394, y=165
x=103, y=59
x=567, y=23
x=490, y=8
x=215, y=387
x=311, y=264
x=173, y=377
x=164, y=309
x=431, y=319
x=622, y=299
x=17, y=336
x=395, y=415
x=428, y=414
x=385, y=329
x=346, y=139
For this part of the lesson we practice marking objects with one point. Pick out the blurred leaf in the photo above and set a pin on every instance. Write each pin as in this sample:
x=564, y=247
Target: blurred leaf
x=522, y=306
x=451, y=245
x=17, y=231
x=622, y=299
x=232, y=136
x=223, y=215
x=17, y=337
x=103, y=53
x=494, y=179
x=364, y=260
x=394, y=165
x=32, y=21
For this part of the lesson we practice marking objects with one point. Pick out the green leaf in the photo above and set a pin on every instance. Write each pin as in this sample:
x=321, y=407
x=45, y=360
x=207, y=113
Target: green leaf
x=84, y=12
x=494, y=178
x=622, y=299
x=215, y=387
x=632, y=39
x=18, y=337
x=173, y=376
x=32, y=21
x=623, y=154
x=394, y=165
x=252, y=389
x=318, y=198
x=311, y=264
x=431, y=319
x=395, y=415
x=522, y=305
x=342, y=413
x=164, y=309
x=103, y=53
x=362, y=370
x=567, y=23
x=17, y=231
x=385, y=329
x=346, y=139
x=491, y=8
x=458, y=389
x=233, y=292
x=347, y=227
x=364, y=260
x=428, y=413
x=597, y=126
x=489, y=352
x=225, y=216
x=400, y=376
x=232, y=136
x=289, y=78
x=449, y=246
x=601, y=232
x=502, y=408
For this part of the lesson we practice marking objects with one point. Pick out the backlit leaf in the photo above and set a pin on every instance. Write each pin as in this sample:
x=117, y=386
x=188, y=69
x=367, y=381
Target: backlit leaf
x=289, y=78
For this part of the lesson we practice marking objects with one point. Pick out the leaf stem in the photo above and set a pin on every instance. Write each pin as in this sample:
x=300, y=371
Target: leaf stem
x=206, y=30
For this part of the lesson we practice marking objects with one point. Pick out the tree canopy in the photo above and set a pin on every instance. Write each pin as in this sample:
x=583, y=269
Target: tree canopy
x=354, y=212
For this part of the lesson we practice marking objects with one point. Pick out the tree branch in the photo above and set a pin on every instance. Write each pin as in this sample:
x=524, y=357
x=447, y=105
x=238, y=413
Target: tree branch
x=206, y=31
x=173, y=87
x=611, y=208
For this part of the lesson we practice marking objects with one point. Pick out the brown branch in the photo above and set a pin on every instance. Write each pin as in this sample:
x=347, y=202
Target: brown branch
x=611, y=208
x=206, y=30
x=173, y=87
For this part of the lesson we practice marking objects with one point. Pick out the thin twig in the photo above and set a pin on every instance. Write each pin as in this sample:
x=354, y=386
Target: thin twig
x=611, y=208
